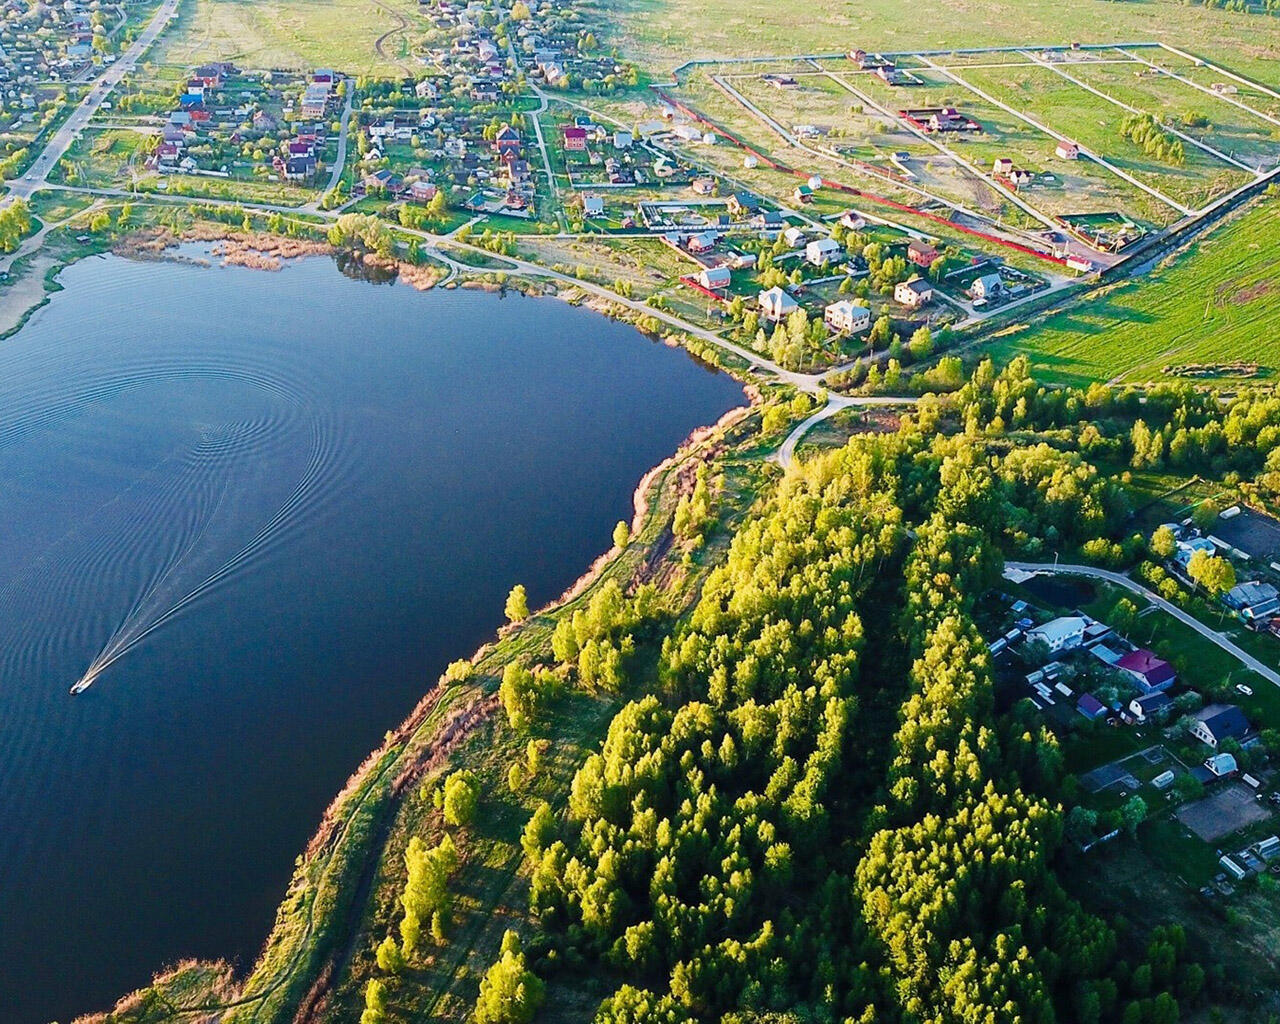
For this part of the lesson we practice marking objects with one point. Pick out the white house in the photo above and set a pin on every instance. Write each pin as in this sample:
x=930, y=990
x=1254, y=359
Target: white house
x=592, y=206
x=715, y=278
x=776, y=305
x=622, y=139
x=913, y=294
x=846, y=318
x=1219, y=722
x=1062, y=634
x=794, y=237
x=988, y=286
x=822, y=251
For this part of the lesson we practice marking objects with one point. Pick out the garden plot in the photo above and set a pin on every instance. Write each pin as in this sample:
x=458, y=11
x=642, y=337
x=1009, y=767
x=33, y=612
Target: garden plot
x=1230, y=809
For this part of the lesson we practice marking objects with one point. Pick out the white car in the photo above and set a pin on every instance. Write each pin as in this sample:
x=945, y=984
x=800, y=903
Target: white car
x=1246, y=690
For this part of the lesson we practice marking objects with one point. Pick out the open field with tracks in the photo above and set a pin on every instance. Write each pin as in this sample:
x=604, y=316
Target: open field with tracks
x=1213, y=305
x=297, y=34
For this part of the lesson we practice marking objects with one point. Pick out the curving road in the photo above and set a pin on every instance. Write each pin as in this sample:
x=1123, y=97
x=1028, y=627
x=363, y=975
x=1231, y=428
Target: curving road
x=37, y=175
x=1212, y=635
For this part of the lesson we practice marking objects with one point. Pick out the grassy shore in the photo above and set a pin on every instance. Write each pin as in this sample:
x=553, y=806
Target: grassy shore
x=344, y=895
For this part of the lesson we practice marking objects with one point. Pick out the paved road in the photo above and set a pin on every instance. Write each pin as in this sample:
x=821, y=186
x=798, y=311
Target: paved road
x=38, y=174
x=835, y=403
x=1212, y=635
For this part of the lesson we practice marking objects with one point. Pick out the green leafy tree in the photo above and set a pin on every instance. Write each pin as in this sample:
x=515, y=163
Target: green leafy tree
x=1214, y=573
x=509, y=992
x=517, y=607
x=461, y=796
x=1163, y=542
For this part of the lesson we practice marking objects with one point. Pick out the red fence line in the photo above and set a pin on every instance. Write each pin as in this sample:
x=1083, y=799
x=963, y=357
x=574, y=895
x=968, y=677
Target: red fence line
x=693, y=283
x=871, y=196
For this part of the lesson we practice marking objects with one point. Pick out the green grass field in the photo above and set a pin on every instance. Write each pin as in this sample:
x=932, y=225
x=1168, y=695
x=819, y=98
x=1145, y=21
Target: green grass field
x=1213, y=304
x=668, y=32
x=300, y=34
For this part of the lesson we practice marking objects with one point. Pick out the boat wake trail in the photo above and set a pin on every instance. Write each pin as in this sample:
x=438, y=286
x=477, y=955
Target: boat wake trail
x=185, y=527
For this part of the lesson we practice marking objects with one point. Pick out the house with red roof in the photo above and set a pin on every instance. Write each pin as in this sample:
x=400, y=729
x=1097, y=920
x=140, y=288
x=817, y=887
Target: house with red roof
x=575, y=139
x=1152, y=674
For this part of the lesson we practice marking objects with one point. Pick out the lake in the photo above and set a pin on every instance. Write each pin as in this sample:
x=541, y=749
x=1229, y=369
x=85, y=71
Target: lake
x=260, y=512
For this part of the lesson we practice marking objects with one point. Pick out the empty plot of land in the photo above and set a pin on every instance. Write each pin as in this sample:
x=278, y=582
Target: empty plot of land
x=1253, y=533
x=1206, y=117
x=298, y=34
x=1197, y=319
x=1095, y=122
x=1233, y=807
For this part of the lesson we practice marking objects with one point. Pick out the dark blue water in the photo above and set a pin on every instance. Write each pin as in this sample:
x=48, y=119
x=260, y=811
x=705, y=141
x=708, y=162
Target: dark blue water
x=265, y=510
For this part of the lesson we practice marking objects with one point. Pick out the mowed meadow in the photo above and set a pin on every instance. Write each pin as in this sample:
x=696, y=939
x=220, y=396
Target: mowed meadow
x=1214, y=303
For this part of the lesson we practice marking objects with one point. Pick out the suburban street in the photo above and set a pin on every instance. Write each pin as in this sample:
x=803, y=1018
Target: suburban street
x=1213, y=636
x=38, y=174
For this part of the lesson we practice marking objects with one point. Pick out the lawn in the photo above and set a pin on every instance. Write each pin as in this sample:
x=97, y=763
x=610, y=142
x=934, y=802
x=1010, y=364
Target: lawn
x=1212, y=305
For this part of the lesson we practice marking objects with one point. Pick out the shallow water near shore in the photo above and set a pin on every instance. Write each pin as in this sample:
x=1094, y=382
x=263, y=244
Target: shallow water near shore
x=262, y=511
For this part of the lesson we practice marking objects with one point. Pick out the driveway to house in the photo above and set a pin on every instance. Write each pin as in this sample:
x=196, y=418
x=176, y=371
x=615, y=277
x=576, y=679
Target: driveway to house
x=37, y=175
x=1212, y=635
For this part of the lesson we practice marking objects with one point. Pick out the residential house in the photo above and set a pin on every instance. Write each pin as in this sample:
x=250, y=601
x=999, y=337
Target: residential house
x=1218, y=722
x=846, y=318
x=299, y=168
x=987, y=287
x=715, y=278
x=507, y=141
x=1089, y=706
x=575, y=139
x=794, y=237
x=853, y=220
x=776, y=305
x=422, y=191
x=1064, y=633
x=743, y=204
x=1068, y=150
x=392, y=184
x=822, y=251
x=921, y=253
x=702, y=242
x=593, y=206
x=1152, y=674
x=1187, y=548
x=1150, y=706
x=1254, y=600
x=913, y=294
x=622, y=139
x=769, y=223
x=704, y=186
x=1221, y=766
